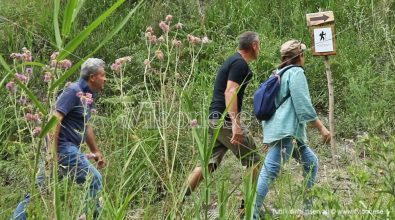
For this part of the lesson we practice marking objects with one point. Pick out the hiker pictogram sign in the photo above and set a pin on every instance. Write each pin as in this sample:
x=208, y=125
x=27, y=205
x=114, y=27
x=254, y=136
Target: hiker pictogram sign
x=322, y=31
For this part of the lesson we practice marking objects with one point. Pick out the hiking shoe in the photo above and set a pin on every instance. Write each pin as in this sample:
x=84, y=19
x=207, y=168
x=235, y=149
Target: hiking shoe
x=242, y=210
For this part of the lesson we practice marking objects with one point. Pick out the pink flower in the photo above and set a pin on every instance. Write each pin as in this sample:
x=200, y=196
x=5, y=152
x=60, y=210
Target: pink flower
x=22, y=101
x=11, y=86
x=16, y=56
x=161, y=39
x=149, y=30
x=159, y=54
x=193, y=40
x=194, y=123
x=147, y=63
x=36, y=131
x=93, y=111
x=29, y=70
x=88, y=101
x=53, y=63
x=79, y=94
x=123, y=60
x=32, y=118
x=190, y=38
x=47, y=77
x=27, y=55
x=148, y=34
x=116, y=67
x=54, y=55
x=29, y=116
x=177, y=43
x=179, y=26
x=85, y=98
x=205, y=40
x=165, y=28
x=152, y=39
x=169, y=18
x=21, y=77
x=198, y=40
x=65, y=64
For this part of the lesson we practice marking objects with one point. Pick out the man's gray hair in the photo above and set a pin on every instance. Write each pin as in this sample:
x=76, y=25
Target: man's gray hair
x=90, y=67
x=246, y=40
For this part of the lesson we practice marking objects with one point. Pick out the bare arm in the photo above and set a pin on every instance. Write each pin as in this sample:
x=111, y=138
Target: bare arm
x=60, y=117
x=326, y=135
x=92, y=144
x=231, y=102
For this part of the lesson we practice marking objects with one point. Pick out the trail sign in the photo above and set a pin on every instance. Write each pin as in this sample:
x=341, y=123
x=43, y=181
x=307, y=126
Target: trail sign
x=322, y=30
x=319, y=18
x=323, y=39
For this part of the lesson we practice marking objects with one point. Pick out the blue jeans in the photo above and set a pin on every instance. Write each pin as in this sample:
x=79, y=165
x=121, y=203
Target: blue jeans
x=76, y=165
x=280, y=152
x=20, y=211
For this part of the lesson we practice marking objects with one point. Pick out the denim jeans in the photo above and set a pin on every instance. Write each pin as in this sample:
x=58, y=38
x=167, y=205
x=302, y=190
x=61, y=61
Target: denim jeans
x=76, y=165
x=280, y=152
x=20, y=211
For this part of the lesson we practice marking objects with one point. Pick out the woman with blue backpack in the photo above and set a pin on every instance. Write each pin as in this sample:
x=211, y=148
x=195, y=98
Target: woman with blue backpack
x=285, y=131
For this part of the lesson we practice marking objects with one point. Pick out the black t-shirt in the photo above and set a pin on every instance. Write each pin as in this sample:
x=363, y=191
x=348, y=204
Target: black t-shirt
x=236, y=69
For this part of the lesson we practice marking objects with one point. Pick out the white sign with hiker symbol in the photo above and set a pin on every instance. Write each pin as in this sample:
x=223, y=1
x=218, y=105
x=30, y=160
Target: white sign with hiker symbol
x=323, y=40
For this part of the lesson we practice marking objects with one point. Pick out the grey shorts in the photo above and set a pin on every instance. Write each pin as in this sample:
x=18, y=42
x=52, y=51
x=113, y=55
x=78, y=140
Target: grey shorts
x=246, y=151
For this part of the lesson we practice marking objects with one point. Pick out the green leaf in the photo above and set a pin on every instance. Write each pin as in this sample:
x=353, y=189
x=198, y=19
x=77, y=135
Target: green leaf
x=32, y=97
x=7, y=68
x=4, y=63
x=75, y=42
x=77, y=9
x=51, y=123
x=109, y=36
x=56, y=24
x=121, y=212
x=119, y=26
x=68, y=17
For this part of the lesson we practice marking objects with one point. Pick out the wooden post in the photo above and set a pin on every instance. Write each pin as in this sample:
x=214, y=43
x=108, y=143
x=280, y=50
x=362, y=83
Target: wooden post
x=331, y=109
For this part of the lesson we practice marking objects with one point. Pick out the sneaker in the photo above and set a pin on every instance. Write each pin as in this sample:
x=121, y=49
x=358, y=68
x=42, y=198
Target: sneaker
x=242, y=210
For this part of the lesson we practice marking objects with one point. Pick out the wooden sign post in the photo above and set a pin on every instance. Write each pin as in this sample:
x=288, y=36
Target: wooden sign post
x=322, y=32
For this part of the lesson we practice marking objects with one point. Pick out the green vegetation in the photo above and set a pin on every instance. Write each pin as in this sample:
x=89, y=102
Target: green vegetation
x=144, y=114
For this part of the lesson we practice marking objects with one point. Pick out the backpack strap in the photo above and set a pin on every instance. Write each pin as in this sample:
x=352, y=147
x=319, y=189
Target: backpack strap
x=281, y=74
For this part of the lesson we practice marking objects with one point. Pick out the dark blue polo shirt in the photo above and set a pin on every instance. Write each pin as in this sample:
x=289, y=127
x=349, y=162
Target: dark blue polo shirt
x=76, y=116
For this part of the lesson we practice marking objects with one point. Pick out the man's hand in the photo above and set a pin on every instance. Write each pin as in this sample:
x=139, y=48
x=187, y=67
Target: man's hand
x=237, y=134
x=101, y=162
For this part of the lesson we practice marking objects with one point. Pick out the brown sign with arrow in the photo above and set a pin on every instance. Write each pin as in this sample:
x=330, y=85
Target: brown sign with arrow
x=320, y=18
x=322, y=30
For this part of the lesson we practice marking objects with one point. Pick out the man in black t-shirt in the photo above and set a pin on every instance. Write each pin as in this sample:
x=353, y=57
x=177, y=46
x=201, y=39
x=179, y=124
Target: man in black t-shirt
x=230, y=83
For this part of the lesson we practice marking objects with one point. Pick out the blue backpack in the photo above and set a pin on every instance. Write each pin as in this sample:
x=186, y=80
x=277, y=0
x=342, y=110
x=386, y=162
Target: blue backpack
x=265, y=95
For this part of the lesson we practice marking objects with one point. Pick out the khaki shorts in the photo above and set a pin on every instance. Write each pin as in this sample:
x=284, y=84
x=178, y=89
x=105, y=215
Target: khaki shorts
x=246, y=151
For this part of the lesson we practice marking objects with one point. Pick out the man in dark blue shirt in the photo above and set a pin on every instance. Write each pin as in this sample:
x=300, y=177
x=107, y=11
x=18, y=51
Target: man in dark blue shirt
x=230, y=84
x=73, y=109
